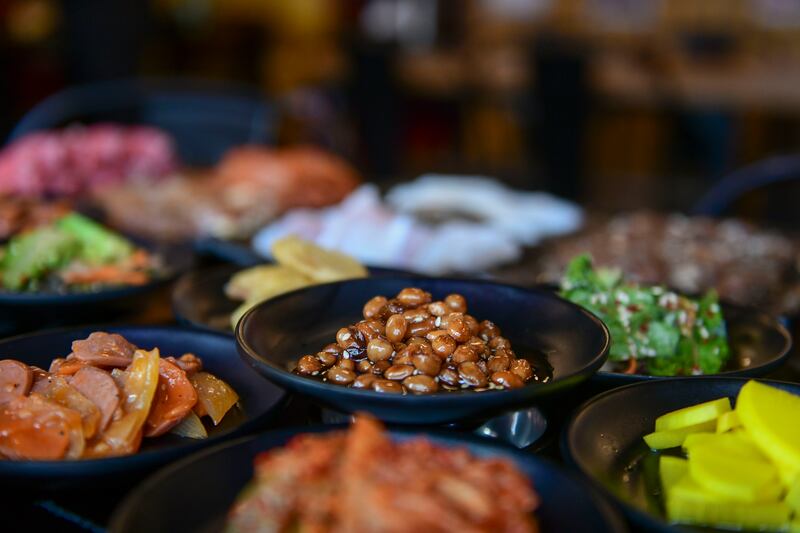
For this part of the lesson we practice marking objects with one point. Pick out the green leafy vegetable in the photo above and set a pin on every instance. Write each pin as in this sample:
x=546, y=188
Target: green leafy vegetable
x=664, y=333
x=29, y=257
x=98, y=245
x=32, y=254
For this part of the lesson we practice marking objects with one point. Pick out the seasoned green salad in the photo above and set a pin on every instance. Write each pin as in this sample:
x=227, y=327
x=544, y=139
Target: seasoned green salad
x=653, y=330
x=72, y=253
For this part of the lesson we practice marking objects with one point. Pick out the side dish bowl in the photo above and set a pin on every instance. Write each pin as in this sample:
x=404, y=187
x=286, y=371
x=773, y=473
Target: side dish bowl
x=208, y=483
x=274, y=334
x=258, y=401
x=604, y=439
x=758, y=343
x=25, y=311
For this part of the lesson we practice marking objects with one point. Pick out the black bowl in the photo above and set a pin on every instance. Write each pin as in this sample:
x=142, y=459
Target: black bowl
x=275, y=333
x=258, y=400
x=26, y=311
x=604, y=438
x=204, y=486
x=759, y=344
x=199, y=299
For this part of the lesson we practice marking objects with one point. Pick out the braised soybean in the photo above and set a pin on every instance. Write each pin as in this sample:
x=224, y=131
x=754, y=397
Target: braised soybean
x=414, y=344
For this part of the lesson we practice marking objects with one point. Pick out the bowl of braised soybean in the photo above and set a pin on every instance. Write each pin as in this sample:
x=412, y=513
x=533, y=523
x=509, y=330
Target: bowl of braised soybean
x=422, y=351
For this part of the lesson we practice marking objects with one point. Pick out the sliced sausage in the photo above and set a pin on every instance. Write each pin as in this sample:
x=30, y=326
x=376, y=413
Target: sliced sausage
x=42, y=383
x=55, y=364
x=40, y=377
x=66, y=367
x=101, y=389
x=16, y=379
x=38, y=373
x=32, y=427
x=174, y=398
x=56, y=389
x=188, y=362
x=104, y=349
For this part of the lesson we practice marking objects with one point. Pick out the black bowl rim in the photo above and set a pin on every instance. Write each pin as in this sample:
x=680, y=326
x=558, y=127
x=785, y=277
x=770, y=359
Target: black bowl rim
x=120, y=461
x=30, y=299
x=127, y=507
x=284, y=377
x=571, y=460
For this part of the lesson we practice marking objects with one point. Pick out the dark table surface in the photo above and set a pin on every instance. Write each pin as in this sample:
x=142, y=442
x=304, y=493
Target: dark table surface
x=90, y=508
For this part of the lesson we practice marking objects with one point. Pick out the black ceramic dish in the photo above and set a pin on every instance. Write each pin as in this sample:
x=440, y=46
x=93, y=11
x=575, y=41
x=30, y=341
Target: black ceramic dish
x=61, y=300
x=758, y=342
x=205, y=485
x=604, y=439
x=258, y=401
x=199, y=300
x=175, y=260
x=274, y=334
x=30, y=311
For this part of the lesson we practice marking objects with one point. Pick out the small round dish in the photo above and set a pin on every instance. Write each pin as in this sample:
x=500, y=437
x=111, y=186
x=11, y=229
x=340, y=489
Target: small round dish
x=32, y=311
x=759, y=345
x=205, y=485
x=758, y=342
x=258, y=401
x=275, y=333
x=199, y=299
x=604, y=439
x=175, y=259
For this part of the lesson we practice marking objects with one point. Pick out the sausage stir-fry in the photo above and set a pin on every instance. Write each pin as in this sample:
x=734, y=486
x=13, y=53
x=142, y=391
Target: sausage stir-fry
x=102, y=399
x=411, y=343
x=360, y=480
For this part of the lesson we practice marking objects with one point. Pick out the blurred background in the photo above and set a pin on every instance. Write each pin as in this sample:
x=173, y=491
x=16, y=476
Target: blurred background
x=617, y=104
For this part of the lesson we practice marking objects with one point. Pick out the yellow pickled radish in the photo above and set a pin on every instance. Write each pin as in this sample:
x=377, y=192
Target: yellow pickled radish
x=728, y=421
x=793, y=496
x=687, y=488
x=734, y=444
x=770, y=416
x=693, y=415
x=660, y=440
x=697, y=438
x=787, y=474
x=671, y=470
x=743, y=466
x=746, y=443
x=771, y=516
x=743, y=434
x=734, y=477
